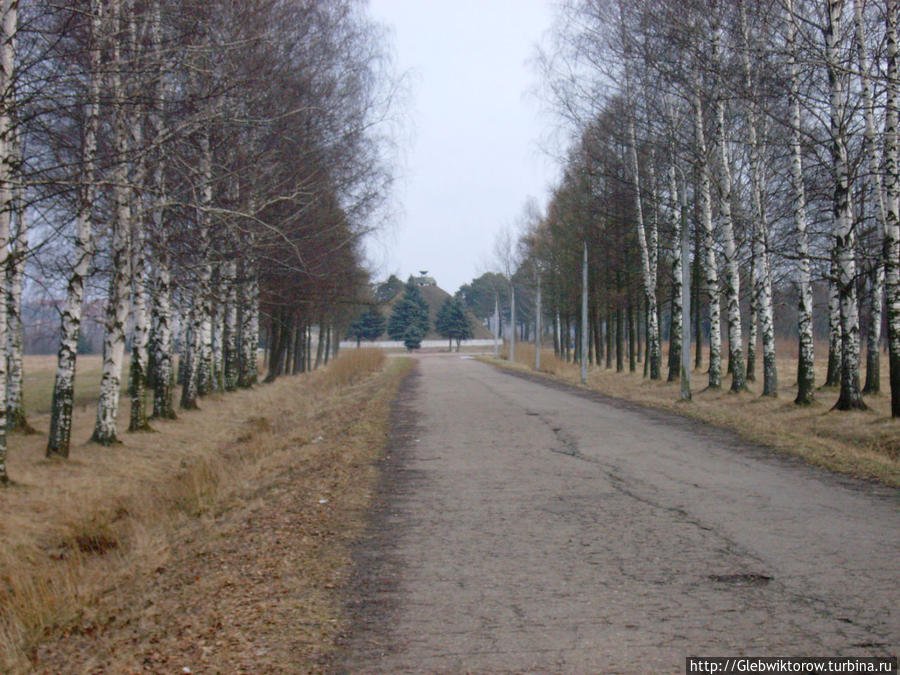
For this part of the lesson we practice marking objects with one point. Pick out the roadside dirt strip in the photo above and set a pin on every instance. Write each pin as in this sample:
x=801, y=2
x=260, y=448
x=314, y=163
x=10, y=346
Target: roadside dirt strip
x=535, y=528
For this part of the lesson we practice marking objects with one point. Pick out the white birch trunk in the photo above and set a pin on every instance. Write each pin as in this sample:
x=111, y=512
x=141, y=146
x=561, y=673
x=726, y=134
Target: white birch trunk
x=7, y=61
x=203, y=300
x=833, y=373
x=254, y=329
x=58, y=440
x=230, y=336
x=161, y=298
x=685, y=299
x=106, y=426
x=805, y=361
x=732, y=271
x=16, y=418
x=753, y=319
x=648, y=267
x=675, y=345
x=891, y=247
x=249, y=326
x=873, y=341
x=140, y=311
x=205, y=379
x=765, y=305
x=218, y=330
x=140, y=318
x=761, y=270
x=869, y=145
x=844, y=232
x=161, y=311
x=190, y=354
x=653, y=258
x=876, y=278
x=710, y=271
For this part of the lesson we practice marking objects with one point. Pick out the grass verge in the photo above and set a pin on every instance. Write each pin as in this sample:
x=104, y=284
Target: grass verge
x=864, y=444
x=218, y=543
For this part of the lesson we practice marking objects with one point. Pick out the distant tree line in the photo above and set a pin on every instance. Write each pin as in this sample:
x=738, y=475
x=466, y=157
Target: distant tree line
x=409, y=320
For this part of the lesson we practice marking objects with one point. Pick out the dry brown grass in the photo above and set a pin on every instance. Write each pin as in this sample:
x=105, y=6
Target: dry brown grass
x=550, y=363
x=865, y=444
x=38, y=382
x=80, y=536
x=353, y=364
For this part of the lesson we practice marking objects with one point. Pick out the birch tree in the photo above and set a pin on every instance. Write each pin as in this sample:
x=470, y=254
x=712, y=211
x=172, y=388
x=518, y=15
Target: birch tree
x=761, y=272
x=249, y=320
x=140, y=312
x=873, y=177
x=711, y=272
x=674, y=209
x=10, y=19
x=648, y=268
x=59, y=438
x=805, y=360
x=16, y=419
x=891, y=245
x=844, y=230
x=203, y=296
x=161, y=316
x=117, y=302
x=230, y=328
x=732, y=273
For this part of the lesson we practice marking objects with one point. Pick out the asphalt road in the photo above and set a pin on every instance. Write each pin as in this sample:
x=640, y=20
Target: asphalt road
x=529, y=528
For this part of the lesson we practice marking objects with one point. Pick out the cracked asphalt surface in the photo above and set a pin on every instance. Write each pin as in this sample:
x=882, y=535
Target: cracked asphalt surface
x=533, y=528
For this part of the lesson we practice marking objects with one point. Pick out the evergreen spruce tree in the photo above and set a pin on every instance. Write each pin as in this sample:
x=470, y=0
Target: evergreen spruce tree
x=409, y=320
x=368, y=326
x=412, y=338
x=452, y=322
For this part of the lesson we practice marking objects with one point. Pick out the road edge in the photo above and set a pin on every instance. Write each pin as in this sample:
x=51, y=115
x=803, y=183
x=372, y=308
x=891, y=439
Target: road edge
x=367, y=595
x=730, y=437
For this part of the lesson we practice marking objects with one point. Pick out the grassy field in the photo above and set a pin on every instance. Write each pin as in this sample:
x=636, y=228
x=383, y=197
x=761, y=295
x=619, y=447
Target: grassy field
x=865, y=444
x=39, y=377
x=221, y=510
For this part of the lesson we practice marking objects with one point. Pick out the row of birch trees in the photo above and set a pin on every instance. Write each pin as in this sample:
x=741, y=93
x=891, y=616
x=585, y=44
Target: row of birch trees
x=204, y=171
x=765, y=131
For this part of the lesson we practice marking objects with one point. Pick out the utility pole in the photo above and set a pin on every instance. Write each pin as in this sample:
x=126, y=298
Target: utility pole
x=496, y=321
x=537, y=325
x=512, y=321
x=584, y=316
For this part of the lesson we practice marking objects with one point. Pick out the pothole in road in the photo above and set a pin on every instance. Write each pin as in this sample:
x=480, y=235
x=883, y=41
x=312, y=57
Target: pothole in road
x=741, y=579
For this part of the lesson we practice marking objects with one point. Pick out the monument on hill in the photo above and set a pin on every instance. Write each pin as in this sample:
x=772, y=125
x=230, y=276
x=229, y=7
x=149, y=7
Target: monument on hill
x=423, y=279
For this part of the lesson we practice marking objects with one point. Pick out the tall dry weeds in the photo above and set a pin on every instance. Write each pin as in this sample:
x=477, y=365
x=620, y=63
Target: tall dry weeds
x=352, y=365
x=550, y=362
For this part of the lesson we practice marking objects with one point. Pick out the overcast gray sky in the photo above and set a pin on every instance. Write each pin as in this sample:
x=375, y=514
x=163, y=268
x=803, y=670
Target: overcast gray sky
x=475, y=129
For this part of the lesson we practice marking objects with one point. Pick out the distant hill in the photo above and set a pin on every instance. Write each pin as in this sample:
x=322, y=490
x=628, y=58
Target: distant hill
x=435, y=297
